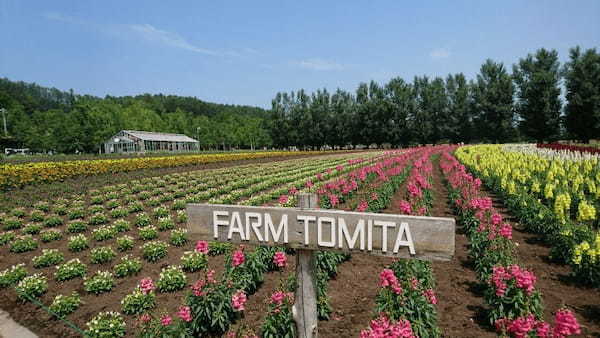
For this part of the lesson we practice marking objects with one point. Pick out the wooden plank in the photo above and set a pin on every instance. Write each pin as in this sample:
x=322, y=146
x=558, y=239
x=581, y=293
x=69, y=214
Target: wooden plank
x=432, y=238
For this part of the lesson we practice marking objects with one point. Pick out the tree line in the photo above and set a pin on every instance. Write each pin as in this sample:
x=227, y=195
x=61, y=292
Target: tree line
x=47, y=119
x=497, y=106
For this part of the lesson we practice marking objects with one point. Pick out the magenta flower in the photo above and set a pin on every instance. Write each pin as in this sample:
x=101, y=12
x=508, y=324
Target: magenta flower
x=565, y=324
x=280, y=259
x=277, y=297
x=238, y=258
x=430, y=295
x=145, y=318
x=185, y=313
x=238, y=300
x=362, y=206
x=202, y=246
x=283, y=199
x=147, y=285
x=405, y=207
x=166, y=320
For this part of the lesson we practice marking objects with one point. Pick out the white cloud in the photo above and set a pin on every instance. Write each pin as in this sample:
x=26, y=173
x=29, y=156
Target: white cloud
x=319, y=64
x=146, y=32
x=439, y=53
x=153, y=34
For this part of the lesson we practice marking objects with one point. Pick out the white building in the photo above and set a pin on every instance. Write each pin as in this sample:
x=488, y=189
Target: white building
x=133, y=141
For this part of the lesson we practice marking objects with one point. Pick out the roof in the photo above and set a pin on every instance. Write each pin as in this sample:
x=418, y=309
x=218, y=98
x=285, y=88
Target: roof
x=152, y=136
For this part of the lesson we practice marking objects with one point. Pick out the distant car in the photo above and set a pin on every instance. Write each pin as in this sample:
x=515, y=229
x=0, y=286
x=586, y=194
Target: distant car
x=16, y=151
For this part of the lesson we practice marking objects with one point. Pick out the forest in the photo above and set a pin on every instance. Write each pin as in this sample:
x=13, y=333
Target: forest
x=537, y=100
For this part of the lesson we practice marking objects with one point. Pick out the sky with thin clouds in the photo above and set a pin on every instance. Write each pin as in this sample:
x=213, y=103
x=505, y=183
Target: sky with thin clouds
x=243, y=52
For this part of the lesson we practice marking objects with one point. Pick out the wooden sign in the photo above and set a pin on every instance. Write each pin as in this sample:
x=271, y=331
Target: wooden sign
x=430, y=238
x=307, y=229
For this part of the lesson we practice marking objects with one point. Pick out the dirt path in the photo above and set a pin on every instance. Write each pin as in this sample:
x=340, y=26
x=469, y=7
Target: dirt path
x=553, y=280
x=460, y=302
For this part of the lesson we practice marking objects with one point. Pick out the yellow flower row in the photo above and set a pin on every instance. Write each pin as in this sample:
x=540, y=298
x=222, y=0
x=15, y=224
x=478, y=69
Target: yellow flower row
x=586, y=250
x=23, y=174
x=563, y=184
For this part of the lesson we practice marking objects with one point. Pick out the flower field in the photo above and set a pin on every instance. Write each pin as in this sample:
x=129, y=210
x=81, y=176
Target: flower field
x=118, y=261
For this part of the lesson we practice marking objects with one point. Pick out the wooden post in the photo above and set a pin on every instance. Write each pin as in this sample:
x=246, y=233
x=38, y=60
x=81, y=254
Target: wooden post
x=305, y=306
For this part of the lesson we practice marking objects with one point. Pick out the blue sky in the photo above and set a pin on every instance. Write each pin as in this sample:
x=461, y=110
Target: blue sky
x=243, y=52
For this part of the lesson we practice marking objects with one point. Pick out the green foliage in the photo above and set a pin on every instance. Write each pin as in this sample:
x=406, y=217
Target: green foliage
x=100, y=282
x=32, y=287
x=178, y=237
x=48, y=257
x=171, y=279
x=125, y=243
x=77, y=227
x=137, y=302
x=582, y=82
x=78, y=243
x=103, y=254
x=32, y=229
x=106, y=324
x=69, y=270
x=537, y=78
x=23, y=244
x=192, y=261
x=148, y=233
x=50, y=235
x=12, y=275
x=128, y=266
x=64, y=305
x=154, y=251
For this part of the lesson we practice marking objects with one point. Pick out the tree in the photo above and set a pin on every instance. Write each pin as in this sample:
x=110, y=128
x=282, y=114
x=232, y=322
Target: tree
x=460, y=118
x=582, y=75
x=538, y=79
x=493, y=103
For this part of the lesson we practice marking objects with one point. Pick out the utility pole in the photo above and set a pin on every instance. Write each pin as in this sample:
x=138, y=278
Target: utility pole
x=4, y=118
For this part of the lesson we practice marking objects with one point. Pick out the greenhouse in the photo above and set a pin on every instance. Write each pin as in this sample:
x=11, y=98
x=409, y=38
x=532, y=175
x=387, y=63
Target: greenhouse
x=132, y=141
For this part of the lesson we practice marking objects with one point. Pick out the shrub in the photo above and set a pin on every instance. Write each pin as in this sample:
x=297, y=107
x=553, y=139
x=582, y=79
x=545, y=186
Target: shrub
x=98, y=218
x=138, y=302
x=125, y=243
x=95, y=209
x=178, y=205
x=6, y=237
x=12, y=275
x=160, y=212
x=32, y=286
x=23, y=244
x=142, y=219
x=153, y=202
x=42, y=206
x=53, y=221
x=78, y=243
x=112, y=204
x=135, y=207
x=104, y=233
x=48, y=257
x=60, y=209
x=50, y=235
x=106, y=324
x=32, y=229
x=76, y=227
x=219, y=248
x=64, y=305
x=76, y=213
x=129, y=266
x=12, y=223
x=97, y=199
x=119, y=213
x=69, y=270
x=155, y=250
x=103, y=254
x=36, y=216
x=178, y=237
x=171, y=279
x=192, y=261
x=121, y=225
x=181, y=217
x=165, y=223
x=100, y=282
x=148, y=233
x=18, y=212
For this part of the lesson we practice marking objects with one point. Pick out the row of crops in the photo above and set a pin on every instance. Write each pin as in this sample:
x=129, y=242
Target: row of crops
x=17, y=175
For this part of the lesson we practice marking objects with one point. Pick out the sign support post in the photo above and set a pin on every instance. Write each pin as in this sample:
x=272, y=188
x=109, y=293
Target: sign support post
x=305, y=304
